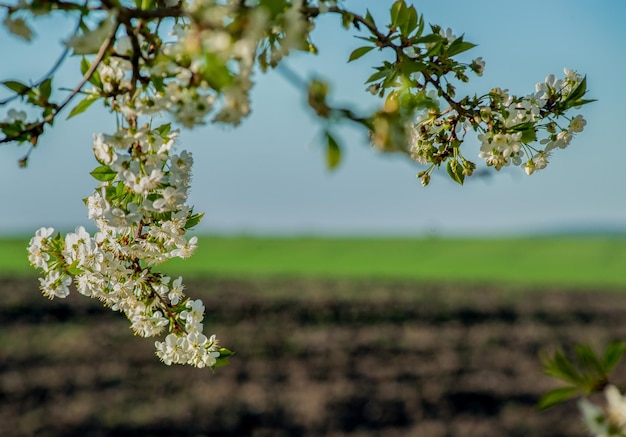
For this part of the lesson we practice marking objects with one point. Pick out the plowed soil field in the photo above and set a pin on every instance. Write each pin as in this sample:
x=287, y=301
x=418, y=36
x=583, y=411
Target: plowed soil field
x=400, y=360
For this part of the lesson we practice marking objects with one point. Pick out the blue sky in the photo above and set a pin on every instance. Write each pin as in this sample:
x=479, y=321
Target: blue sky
x=268, y=176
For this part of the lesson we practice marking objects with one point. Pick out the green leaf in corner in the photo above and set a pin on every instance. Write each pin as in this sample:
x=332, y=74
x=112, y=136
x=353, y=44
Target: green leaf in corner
x=613, y=354
x=557, y=396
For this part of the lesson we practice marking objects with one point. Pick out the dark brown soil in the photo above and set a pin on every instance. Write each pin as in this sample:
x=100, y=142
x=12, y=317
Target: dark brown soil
x=410, y=360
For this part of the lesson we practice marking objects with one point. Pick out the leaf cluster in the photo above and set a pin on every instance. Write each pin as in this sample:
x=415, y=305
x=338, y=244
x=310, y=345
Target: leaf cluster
x=585, y=372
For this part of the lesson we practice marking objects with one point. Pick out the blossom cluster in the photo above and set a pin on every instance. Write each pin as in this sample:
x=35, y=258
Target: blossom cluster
x=204, y=66
x=140, y=210
x=508, y=125
x=609, y=421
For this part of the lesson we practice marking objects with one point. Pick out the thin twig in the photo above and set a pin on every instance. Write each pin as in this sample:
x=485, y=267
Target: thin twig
x=92, y=69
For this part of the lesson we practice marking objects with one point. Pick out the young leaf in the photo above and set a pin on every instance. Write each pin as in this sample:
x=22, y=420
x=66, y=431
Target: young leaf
x=357, y=53
x=429, y=39
x=459, y=46
x=225, y=352
x=95, y=78
x=82, y=105
x=397, y=12
x=16, y=86
x=193, y=220
x=455, y=171
x=369, y=18
x=164, y=129
x=382, y=72
x=45, y=89
x=103, y=173
x=84, y=65
x=562, y=368
x=409, y=67
x=578, y=92
x=410, y=22
x=74, y=270
x=590, y=362
x=557, y=396
x=333, y=152
x=613, y=354
x=529, y=135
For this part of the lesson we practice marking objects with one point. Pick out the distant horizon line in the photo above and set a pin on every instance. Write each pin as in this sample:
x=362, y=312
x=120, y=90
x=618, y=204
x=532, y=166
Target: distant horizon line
x=578, y=231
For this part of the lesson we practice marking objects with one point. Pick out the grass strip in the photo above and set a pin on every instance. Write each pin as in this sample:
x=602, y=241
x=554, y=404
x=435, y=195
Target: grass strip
x=569, y=261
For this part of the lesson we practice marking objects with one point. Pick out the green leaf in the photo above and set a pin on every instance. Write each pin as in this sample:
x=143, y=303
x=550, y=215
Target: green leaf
x=577, y=103
x=459, y=46
x=409, y=23
x=91, y=40
x=557, y=396
x=222, y=360
x=378, y=75
x=193, y=220
x=529, y=135
x=564, y=367
x=17, y=87
x=420, y=26
x=17, y=26
x=274, y=7
x=215, y=72
x=45, y=89
x=397, y=11
x=455, y=171
x=613, y=354
x=164, y=129
x=333, y=152
x=428, y=39
x=103, y=173
x=347, y=19
x=225, y=352
x=95, y=78
x=147, y=4
x=119, y=189
x=84, y=65
x=357, y=53
x=73, y=270
x=589, y=362
x=409, y=67
x=369, y=18
x=82, y=105
x=578, y=92
x=424, y=101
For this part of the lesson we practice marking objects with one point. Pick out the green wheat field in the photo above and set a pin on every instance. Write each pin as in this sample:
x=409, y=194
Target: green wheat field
x=567, y=261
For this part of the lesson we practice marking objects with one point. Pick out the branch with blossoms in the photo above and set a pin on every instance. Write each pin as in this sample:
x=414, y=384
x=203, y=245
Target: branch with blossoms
x=421, y=80
x=193, y=62
x=142, y=219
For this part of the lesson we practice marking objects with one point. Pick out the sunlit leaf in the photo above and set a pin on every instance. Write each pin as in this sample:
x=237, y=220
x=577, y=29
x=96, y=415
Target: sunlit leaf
x=103, y=173
x=82, y=106
x=357, y=53
x=333, y=152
